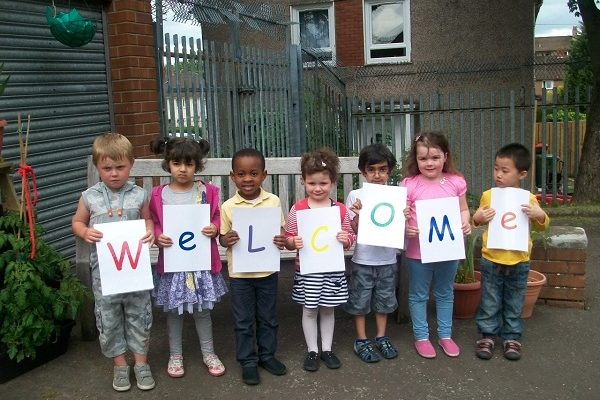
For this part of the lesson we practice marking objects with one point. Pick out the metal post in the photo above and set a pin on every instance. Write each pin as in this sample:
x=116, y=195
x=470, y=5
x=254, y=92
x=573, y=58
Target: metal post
x=297, y=129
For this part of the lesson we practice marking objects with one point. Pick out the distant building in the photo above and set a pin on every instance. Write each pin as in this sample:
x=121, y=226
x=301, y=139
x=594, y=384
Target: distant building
x=551, y=55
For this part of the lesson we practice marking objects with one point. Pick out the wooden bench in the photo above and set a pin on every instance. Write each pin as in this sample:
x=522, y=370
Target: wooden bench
x=283, y=178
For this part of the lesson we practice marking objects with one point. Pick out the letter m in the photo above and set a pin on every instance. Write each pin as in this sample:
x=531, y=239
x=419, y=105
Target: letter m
x=440, y=235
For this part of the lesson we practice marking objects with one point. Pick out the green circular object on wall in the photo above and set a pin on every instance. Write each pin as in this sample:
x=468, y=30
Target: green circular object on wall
x=70, y=28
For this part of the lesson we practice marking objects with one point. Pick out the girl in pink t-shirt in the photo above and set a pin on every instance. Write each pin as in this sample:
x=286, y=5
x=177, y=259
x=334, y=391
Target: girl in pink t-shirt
x=430, y=174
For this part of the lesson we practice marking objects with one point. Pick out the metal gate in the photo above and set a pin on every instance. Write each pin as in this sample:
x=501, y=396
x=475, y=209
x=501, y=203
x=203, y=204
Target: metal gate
x=65, y=91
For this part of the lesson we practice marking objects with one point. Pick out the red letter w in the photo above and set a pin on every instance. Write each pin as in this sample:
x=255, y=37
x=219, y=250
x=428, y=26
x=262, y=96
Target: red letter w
x=125, y=249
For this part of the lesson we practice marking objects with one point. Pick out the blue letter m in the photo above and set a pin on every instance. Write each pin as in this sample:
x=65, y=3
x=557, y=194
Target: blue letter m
x=440, y=235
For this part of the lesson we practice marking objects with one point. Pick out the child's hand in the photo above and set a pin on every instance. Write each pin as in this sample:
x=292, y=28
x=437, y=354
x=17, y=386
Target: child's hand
x=534, y=211
x=294, y=242
x=229, y=239
x=210, y=231
x=164, y=241
x=92, y=235
x=407, y=212
x=412, y=231
x=148, y=237
x=355, y=208
x=279, y=241
x=343, y=238
x=466, y=228
x=483, y=215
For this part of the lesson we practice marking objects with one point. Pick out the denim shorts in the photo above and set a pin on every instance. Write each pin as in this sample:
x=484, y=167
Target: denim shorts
x=372, y=287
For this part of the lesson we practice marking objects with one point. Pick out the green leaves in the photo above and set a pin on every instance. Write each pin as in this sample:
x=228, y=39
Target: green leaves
x=36, y=296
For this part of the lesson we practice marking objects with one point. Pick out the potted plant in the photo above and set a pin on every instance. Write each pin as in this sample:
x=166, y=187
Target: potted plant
x=39, y=299
x=467, y=286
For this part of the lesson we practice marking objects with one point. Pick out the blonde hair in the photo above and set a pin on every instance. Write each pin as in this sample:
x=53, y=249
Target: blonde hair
x=112, y=145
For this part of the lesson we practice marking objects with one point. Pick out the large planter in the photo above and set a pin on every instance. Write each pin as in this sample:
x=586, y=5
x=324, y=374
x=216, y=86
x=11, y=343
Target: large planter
x=535, y=283
x=466, y=298
x=10, y=369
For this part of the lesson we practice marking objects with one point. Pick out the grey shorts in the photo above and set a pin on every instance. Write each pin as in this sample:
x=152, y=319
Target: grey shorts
x=372, y=287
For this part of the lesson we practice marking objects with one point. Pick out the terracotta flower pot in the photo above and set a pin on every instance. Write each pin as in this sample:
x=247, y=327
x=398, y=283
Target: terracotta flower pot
x=535, y=283
x=466, y=298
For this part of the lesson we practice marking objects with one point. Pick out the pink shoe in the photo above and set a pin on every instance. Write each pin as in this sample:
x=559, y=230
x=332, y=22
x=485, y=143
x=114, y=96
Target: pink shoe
x=450, y=348
x=175, y=366
x=425, y=348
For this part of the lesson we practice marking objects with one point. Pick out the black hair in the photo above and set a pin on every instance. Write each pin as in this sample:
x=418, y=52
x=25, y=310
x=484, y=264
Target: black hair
x=184, y=150
x=374, y=154
x=248, y=152
x=520, y=155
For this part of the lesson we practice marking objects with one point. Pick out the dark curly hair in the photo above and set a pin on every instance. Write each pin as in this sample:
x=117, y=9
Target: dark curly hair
x=320, y=160
x=181, y=150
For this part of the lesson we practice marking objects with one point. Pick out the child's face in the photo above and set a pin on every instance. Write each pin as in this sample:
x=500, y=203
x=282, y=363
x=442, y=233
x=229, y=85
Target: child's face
x=506, y=173
x=248, y=175
x=182, y=172
x=430, y=161
x=318, y=186
x=114, y=173
x=377, y=173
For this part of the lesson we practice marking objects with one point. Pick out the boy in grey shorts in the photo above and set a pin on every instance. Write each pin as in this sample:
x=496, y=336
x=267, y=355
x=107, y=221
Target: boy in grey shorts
x=123, y=320
x=374, y=268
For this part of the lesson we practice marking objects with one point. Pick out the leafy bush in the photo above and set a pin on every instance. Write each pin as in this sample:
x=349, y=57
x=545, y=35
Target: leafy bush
x=36, y=295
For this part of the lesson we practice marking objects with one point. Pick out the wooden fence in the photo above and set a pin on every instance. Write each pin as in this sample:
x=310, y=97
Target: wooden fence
x=564, y=140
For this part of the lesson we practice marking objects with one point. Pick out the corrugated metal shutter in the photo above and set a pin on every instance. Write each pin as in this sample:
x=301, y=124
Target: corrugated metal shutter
x=65, y=91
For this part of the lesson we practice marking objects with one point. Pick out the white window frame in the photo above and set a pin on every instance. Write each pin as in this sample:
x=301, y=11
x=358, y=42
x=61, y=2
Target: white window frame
x=368, y=39
x=295, y=26
x=548, y=84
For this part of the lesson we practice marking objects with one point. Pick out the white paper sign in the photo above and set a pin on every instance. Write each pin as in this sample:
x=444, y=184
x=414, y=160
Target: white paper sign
x=255, y=251
x=123, y=259
x=191, y=249
x=382, y=219
x=440, y=229
x=322, y=252
x=509, y=230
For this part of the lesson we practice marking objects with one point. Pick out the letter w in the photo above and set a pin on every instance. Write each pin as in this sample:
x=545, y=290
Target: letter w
x=440, y=235
x=125, y=249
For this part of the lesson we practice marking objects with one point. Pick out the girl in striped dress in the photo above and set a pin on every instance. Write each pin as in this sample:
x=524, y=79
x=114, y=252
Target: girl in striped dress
x=319, y=293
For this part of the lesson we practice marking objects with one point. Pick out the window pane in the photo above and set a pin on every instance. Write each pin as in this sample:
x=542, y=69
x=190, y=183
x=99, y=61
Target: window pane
x=385, y=53
x=314, y=28
x=387, y=23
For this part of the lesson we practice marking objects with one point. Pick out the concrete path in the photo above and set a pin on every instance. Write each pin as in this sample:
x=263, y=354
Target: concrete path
x=561, y=360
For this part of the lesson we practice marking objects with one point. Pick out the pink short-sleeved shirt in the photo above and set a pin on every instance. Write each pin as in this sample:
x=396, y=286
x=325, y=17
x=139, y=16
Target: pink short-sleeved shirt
x=420, y=188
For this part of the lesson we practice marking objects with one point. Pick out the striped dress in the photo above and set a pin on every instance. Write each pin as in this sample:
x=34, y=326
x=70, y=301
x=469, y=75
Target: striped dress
x=328, y=289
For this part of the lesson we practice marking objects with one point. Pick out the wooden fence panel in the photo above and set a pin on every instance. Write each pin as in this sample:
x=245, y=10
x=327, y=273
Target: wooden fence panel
x=566, y=146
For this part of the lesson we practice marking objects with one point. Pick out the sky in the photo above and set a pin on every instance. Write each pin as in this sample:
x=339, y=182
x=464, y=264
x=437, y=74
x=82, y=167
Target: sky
x=554, y=19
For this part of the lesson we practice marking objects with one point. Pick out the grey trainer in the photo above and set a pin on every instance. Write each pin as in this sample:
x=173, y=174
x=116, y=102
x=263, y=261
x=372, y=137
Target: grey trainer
x=121, y=379
x=143, y=376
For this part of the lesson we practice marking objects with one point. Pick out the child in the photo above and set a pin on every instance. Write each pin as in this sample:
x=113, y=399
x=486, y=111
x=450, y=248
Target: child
x=123, y=320
x=319, y=293
x=193, y=292
x=253, y=294
x=504, y=272
x=430, y=174
x=374, y=268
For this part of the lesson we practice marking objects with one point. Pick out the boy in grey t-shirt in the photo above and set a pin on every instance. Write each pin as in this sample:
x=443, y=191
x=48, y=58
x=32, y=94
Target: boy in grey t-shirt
x=374, y=268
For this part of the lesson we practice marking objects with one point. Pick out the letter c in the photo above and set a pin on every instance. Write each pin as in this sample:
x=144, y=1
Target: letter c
x=314, y=237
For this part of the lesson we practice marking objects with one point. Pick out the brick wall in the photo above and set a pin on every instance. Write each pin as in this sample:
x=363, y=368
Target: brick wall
x=133, y=72
x=349, y=32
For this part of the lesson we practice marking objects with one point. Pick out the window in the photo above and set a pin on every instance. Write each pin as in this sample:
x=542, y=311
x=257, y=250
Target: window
x=387, y=31
x=548, y=85
x=313, y=28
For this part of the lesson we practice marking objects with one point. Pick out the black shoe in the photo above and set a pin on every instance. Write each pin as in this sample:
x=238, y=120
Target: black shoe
x=250, y=375
x=311, y=362
x=330, y=360
x=274, y=366
x=512, y=350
